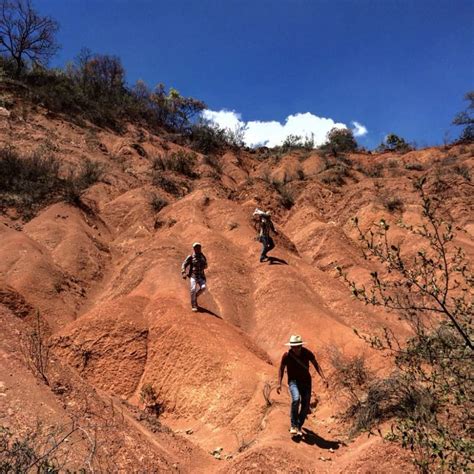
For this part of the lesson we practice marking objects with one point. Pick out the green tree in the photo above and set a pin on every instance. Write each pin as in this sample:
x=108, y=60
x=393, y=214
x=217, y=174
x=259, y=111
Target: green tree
x=393, y=142
x=340, y=140
x=466, y=119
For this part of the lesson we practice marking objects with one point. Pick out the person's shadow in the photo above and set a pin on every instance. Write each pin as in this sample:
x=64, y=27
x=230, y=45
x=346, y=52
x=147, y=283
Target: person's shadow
x=208, y=311
x=311, y=438
x=276, y=261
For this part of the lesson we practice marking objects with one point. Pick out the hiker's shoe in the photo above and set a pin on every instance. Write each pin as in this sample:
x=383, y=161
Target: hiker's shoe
x=262, y=259
x=299, y=432
x=293, y=430
x=194, y=309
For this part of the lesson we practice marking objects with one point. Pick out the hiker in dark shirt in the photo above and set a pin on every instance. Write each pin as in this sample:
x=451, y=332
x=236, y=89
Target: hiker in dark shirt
x=264, y=226
x=296, y=361
x=197, y=263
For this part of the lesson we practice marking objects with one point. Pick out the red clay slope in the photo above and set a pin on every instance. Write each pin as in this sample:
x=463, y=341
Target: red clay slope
x=108, y=284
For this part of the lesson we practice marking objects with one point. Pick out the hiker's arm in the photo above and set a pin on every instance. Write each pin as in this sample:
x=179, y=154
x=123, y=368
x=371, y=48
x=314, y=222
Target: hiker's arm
x=273, y=228
x=185, y=265
x=256, y=226
x=319, y=370
x=281, y=371
x=205, y=263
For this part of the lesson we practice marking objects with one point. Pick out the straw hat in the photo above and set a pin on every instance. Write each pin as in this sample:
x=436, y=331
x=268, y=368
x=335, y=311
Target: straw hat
x=295, y=340
x=197, y=244
x=259, y=213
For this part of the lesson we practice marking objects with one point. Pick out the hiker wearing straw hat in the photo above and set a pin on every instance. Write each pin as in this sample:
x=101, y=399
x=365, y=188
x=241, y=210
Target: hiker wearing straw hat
x=296, y=361
x=264, y=226
x=197, y=263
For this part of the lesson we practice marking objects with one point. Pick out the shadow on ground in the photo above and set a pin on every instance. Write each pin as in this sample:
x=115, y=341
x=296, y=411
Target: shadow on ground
x=208, y=311
x=311, y=438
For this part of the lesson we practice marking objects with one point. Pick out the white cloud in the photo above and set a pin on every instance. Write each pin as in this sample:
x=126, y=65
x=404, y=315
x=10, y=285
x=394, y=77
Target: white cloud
x=224, y=118
x=359, y=130
x=274, y=133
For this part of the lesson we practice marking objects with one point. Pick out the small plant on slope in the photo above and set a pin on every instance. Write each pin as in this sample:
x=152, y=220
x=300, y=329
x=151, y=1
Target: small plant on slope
x=433, y=291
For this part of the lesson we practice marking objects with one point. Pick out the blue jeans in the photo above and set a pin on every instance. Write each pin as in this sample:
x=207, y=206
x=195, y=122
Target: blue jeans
x=267, y=245
x=300, y=398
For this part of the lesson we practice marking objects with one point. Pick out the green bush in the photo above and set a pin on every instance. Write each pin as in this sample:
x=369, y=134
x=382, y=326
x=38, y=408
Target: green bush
x=339, y=140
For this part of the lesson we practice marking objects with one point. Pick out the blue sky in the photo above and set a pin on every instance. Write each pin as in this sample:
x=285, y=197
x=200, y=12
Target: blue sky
x=394, y=66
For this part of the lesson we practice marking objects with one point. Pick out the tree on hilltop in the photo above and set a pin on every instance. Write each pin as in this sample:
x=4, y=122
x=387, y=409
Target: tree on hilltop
x=340, y=140
x=24, y=34
x=393, y=142
x=466, y=118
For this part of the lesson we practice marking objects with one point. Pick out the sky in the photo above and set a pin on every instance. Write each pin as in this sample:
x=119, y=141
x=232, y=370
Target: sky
x=291, y=66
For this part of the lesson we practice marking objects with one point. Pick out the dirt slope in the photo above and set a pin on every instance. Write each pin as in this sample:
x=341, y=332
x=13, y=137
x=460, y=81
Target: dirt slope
x=106, y=280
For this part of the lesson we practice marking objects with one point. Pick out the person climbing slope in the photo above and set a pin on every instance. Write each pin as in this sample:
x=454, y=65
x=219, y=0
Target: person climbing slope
x=264, y=227
x=197, y=263
x=296, y=362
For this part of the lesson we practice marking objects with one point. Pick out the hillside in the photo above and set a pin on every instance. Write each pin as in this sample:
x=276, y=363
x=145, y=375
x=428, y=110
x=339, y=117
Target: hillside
x=105, y=278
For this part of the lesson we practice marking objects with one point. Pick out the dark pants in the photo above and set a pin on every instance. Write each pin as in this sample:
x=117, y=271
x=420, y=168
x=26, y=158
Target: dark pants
x=267, y=245
x=300, y=398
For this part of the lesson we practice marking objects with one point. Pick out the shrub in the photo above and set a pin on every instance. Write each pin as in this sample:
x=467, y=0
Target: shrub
x=214, y=162
x=36, y=350
x=432, y=291
x=414, y=167
x=300, y=174
x=180, y=162
x=463, y=171
x=90, y=172
x=393, y=203
x=165, y=183
x=149, y=398
x=286, y=197
x=335, y=174
x=157, y=203
x=32, y=181
x=207, y=138
x=387, y=398
x=373, y=171
x=93, y=88
x=393, y=142
x=339, y=140
x=27, y=182
x=37, y=450
x=296, y=142
x=350, y=374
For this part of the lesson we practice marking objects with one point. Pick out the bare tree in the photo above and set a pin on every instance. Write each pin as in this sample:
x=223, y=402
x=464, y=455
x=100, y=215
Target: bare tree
x=26, y=34
x=36, y=350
